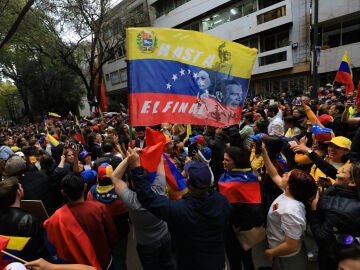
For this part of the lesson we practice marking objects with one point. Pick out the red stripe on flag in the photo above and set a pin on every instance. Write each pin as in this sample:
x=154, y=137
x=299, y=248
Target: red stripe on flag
x=240, y=192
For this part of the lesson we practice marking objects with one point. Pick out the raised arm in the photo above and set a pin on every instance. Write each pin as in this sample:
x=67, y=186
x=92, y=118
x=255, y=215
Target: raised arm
x=270, y=168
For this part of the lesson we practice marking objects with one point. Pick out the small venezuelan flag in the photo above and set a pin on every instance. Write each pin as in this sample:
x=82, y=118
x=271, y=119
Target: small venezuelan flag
x=344, y=74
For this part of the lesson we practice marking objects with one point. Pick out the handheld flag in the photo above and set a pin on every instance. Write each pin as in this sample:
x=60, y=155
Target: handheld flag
x=14, y=245
x=184, y=77
x=344, y=74
x=358, y=96
x=54, y=116
x=52, y=140
x=78, y=134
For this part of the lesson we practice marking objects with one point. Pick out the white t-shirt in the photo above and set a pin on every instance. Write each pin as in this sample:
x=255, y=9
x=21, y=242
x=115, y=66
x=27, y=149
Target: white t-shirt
x=286, y=217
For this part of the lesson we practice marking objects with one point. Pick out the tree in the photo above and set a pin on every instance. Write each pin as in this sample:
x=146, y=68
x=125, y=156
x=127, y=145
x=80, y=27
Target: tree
x=44, y=83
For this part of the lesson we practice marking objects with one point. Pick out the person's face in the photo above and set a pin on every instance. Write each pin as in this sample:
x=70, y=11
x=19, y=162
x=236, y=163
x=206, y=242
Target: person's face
x=87, y=159
x=10, y=141
x=81, y=166
x=343, y=177
x=98, y=138
x=306, y=100
x=228, y=163
x=336, y=153
x=140, y=135
x=70, y=156
x=203, y=80
x=270, y=114
x=21, y=191
x=332, y=110
x=168, y=148
x=349, y=264
x=233, y=95
x=296, y=113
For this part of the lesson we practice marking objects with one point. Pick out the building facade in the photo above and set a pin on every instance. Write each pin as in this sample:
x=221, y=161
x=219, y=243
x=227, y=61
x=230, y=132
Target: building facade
x=280, y=30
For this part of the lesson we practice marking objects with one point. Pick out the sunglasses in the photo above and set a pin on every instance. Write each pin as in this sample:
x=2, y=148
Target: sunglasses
x=347, y=239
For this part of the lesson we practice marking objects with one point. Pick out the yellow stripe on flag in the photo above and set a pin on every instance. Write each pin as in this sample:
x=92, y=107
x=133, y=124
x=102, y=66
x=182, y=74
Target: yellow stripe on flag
x=52, y=140
x=16, y=242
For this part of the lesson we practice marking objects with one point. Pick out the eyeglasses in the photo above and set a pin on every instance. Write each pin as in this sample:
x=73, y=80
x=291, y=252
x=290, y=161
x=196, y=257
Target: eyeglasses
x=347, y=239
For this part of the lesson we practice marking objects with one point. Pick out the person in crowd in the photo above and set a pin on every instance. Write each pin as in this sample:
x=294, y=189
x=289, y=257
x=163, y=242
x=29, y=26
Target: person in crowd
x=104, y=192
x=153, y=240
x=5, y=150
x=94, y=145
x=336, y=213
x=293, y=131
x=336, y=111
x=337, y=158
x=349, y=255
x=299, y=116
x=247, y=131
x=18, y=222
x=34, y=183
x=199, y=219
x=256, y=159
x=81, y=231
x=140, y=137
x=286, y=220
x=215, y=140
x=276, y=124
x=107, y=156
x=240, y=185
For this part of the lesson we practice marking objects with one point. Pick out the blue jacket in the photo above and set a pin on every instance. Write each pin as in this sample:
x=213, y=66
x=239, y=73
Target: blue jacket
x=198, y=222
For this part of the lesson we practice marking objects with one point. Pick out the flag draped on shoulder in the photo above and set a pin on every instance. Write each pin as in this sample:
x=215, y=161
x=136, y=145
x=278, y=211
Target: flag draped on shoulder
x=182, y=76
x=344, y=74
x=240, y=186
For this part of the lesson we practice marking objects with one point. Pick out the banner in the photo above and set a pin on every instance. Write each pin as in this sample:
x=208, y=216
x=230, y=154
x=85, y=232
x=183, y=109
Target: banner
x=186, y=77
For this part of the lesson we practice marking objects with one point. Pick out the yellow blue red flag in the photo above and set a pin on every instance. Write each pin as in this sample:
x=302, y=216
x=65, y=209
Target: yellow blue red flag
x=13, y=245
x=182, y=76
x=54, y=116
x=344, y=74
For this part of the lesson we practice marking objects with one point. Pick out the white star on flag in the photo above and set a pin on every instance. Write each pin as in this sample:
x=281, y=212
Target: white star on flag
x=195, y=75
x=182, y=72
x=174, y=77
x=168, y=86
x=189, y=71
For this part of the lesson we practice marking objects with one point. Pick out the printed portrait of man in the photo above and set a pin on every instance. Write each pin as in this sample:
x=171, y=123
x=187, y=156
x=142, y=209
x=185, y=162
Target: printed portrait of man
x=203, y=82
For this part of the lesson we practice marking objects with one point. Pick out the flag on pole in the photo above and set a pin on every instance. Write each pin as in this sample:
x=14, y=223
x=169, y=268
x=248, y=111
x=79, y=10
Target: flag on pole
x=344, y=74
x=13, y=245
x=186, y=77
x=78, y=131
x=54, y=116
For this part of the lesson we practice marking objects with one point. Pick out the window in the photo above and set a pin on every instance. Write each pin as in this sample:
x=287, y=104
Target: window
x=228, y=14
x=163, y=7
x=272, y=41
x=251, y=42
x=107, y=77
x=340, y=33
x=114, y=76
x=123, y=75
x=273, y=58
x=268, y=3
x=271, y=15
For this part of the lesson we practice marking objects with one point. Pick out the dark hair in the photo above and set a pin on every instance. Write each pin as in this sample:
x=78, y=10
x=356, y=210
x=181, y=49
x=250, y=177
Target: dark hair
x=347, y=252
x=249, y=116
x=73, y=186
x=139, y=128
x=290, y=119
x=8, y=189
x=339, y=107
x=273, y=108
x=107, y=146
x=274, y=145
x=240, y=157
x=302, y=186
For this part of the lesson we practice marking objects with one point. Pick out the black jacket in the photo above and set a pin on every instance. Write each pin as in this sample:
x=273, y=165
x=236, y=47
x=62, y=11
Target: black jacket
x=198, y=221
x=338, y=211
x=17, y=222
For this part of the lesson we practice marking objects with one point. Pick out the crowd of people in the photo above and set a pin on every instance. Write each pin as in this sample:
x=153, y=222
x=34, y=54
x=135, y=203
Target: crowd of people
x=290, y=168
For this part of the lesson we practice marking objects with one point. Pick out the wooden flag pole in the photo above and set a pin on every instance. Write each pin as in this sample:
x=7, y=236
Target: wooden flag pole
x=13, y=256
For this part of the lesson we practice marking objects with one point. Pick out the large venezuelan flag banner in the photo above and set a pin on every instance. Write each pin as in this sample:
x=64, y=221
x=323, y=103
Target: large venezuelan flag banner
x=187, y=77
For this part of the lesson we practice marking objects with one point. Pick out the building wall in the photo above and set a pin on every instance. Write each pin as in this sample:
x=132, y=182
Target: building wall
x=331, y=9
